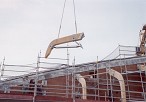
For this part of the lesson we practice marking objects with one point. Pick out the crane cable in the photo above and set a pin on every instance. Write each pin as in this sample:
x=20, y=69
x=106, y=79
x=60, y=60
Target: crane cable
x=75, y=15
x=63, y=16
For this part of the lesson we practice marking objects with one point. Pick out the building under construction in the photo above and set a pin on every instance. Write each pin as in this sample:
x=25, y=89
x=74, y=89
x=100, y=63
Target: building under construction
x=120, y=77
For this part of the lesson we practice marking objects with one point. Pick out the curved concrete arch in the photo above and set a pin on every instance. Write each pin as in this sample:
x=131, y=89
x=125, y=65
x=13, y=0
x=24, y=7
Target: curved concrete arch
x=82, y=81
x=70, y=38
x=120, y=78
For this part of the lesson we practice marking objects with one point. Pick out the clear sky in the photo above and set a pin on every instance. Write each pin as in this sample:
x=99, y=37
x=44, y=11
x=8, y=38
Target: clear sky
x=28, y=26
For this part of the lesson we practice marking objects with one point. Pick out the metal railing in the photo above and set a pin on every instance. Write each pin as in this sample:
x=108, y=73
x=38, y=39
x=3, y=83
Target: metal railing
x=100, y=85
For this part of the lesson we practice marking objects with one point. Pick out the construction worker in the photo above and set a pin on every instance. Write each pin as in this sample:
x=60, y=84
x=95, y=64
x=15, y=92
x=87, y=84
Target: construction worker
x=25, y=86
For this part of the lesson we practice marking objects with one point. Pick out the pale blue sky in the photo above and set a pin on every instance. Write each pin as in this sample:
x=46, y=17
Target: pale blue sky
x=28, y=26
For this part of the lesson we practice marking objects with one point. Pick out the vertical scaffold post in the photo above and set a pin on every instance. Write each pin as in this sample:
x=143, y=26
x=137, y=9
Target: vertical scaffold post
x=2, y=69
x=67, y=74
x=36, y=78
x=73, y=80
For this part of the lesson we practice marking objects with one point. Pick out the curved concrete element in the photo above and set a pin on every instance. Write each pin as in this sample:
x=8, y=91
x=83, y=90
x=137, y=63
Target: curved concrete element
x=120, y=78
x=71, y=38
x=141, y=67
x=83, y=83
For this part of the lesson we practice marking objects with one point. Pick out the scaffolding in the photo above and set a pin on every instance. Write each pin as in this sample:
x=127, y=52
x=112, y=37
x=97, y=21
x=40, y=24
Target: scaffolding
x=116, y=79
